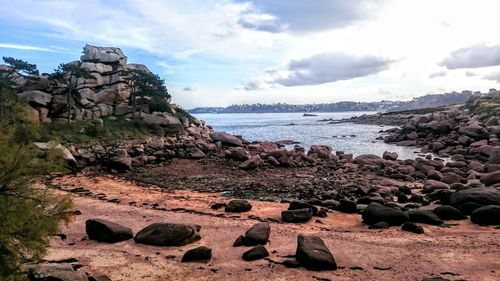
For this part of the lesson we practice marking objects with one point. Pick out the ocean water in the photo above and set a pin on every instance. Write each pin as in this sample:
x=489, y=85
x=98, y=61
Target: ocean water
x=349, y=137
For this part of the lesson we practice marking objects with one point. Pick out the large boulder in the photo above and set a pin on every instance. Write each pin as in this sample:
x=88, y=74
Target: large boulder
x=238, y=154
x=479, y=195
x=390, y=155
x=489, y=215
x=320, y=151
x=258, y=234
x=56, y=272
x=424, y=216
x=433, y=185
x=107, y=55
x=297, y=216
x=106, y=231
x=495, y=155
x=254, y=162
x=97, y=67
x=491, y=178
x=256, y=253
x=295, y=205
x=368, y=159
x=120, y=160
x=473, y=130
x=225, y=138
x=313, y=254
x=107, y=96
x=168, y=234
x=65, y=153
x=238, y=206
x=38, y=98
x=198, y=254
x=159, y=120
x=376, y=212
x=447, y=212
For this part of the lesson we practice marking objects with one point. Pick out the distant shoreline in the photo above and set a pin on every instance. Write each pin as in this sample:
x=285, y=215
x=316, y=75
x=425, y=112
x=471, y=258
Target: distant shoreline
x=427, y=101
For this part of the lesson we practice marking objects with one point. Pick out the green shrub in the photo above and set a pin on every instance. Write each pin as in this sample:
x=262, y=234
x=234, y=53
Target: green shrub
x=29, y=215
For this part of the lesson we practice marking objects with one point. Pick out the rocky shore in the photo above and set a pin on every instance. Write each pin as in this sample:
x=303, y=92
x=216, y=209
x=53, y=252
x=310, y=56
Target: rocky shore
x=415, y=196
x=298, y=213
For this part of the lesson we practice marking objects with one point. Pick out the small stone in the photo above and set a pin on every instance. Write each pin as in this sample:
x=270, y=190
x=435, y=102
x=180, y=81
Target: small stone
x=256, y=253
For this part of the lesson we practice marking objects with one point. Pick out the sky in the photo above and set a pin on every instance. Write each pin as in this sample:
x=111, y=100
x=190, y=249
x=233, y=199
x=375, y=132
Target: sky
x=223, y=52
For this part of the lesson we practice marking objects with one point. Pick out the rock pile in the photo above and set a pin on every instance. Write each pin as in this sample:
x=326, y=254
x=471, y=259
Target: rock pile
x=106, y=92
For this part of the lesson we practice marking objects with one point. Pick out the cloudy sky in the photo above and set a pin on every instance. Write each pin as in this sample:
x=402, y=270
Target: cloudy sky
x=222, y=52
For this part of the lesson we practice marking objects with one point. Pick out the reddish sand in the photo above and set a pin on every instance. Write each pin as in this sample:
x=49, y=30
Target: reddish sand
x=461, y=252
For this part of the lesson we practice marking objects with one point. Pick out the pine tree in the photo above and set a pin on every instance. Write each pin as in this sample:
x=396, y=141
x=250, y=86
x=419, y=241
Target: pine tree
x=68, y=74
x=148, y=86
x=28, y=215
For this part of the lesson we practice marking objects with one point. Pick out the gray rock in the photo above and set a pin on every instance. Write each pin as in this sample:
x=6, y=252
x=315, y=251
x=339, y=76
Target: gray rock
x=424, y=216
x=297, y=216
x=256, y=253
x=238, y=206
x=258, y=234
x=66, y=154
x=59, y=272
x=107, y=55
x=479, y=195
x=486, y=215
x=254, y=162
x=313, y=254
x=225, y=138
x=411, y=227
x=446, y=212
x=198, y=254
x=390, y=155
x=491, y=178
x=432, y=185
x=159, y=120
x=97, y=67
x=196, y=153
x=106, y=231
x=376, y=212
x=36, y=97
x=168, y=234
x=120, y=160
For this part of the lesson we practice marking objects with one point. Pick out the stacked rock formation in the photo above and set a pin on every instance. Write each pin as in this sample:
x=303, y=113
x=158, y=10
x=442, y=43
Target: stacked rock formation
x=106, y=93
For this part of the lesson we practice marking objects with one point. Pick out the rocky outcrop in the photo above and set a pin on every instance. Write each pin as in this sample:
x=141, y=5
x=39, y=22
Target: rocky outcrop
x=105, y=92
x=465, y=135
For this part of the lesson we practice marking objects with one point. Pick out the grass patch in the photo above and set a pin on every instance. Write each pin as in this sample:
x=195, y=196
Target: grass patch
x=91, y=131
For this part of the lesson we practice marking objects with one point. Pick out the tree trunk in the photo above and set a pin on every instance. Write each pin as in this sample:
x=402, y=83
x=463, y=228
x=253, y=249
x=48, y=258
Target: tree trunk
x=69, y=96
x=140, y=108
x=134, y=102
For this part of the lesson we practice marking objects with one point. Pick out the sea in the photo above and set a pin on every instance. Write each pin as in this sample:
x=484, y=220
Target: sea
x=308, y=130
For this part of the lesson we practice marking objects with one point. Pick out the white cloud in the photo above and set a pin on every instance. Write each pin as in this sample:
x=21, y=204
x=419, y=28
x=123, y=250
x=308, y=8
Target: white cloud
x=221, y=43
x=192, y=88
x=480, y=55
x=495, y=76
x=26, y=47
x=305, y=16
x=320, y=69
x=438, y=74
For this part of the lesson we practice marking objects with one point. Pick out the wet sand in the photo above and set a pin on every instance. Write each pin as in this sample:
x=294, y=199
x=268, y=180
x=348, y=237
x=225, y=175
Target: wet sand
x=461, y=252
